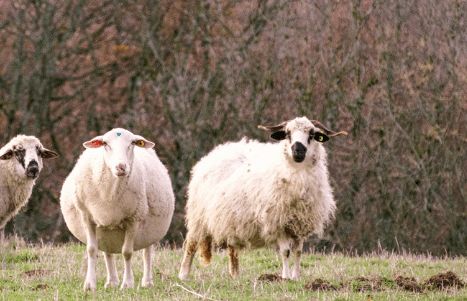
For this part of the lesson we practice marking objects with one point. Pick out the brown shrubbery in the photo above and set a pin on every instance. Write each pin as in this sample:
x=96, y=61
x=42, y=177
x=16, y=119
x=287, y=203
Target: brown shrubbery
x=192, y=74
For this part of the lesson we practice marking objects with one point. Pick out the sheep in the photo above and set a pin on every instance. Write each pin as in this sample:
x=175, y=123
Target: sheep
x=249, y=194
x=118, y=199
x=20, y=165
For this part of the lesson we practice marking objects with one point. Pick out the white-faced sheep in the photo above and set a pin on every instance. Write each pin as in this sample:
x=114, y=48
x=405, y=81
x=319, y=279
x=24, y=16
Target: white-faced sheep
x=252, y=194
x=118, y=198
x=20, y=165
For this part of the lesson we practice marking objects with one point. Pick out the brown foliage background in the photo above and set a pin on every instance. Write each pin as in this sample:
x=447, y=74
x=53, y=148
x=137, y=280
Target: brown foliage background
x=192, y=74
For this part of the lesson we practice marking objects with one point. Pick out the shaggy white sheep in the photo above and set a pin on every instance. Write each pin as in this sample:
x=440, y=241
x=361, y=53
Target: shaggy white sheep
x=118, y=198
x=252, y=194
x=20, y=165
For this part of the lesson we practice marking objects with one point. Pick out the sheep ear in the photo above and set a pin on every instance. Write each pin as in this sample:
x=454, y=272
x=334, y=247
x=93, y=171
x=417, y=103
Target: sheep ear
x=48, y=154
x=273, y=128
x=327, y=131
x=140, y=141
x=7, y=155
x=94, y=142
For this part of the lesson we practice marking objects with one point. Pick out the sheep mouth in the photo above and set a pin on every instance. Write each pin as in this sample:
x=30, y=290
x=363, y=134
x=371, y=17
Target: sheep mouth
x=299, y=158
x=32, y=175
x=121, y=173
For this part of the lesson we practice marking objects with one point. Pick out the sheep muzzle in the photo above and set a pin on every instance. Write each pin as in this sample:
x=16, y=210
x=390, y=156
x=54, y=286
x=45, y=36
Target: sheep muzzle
x=298, y=152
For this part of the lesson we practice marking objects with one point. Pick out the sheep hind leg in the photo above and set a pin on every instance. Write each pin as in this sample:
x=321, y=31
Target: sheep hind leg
x=297, y=253
x=112, y=276
x=189, y=253
x=205, y=250
x=146, y=281
x=233, y=262
x=284, y=251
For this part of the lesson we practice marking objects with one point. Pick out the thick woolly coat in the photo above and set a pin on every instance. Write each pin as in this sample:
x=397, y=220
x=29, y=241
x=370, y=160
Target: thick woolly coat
x=250, y=194
x=145, y=196
x=15, y=188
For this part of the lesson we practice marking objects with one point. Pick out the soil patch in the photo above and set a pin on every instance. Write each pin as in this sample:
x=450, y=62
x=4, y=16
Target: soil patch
x=363, y=284
x=320, y=285
x=408, y=284
x=36, y=273
x=40, y=287
x=269, y=278
x=443, y=281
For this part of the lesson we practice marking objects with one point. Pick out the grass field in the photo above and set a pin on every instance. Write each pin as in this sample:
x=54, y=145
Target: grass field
x=45, y=272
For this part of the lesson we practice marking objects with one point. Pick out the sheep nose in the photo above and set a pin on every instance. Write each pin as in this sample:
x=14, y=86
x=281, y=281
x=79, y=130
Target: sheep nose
x=32, y=170
x=121, y=169
x=298, y=152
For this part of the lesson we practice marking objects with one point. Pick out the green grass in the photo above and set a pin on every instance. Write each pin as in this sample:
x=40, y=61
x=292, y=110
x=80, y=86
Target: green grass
x=45, y=272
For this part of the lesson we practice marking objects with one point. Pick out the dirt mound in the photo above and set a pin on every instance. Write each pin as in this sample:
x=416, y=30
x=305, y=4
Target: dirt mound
x=408, y=284
x=363, y=284
x=443, y=281
x=320, y=285
x=36, y=273
x=40, y=287
x=270, y=278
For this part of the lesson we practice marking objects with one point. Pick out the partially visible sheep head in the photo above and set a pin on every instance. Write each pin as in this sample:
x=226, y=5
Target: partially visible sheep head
x=118, y=147
x=300, y=133
x=26, y=154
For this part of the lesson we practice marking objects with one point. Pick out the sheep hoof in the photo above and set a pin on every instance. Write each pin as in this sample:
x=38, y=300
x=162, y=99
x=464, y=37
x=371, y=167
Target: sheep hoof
x=111, y=284
x=88, y=286
x=183, y=276
x=147, y=283
x=295, y=277
x=127, y=284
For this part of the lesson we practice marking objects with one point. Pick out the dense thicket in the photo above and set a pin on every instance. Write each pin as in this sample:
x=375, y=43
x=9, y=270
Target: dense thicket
x=191, y=74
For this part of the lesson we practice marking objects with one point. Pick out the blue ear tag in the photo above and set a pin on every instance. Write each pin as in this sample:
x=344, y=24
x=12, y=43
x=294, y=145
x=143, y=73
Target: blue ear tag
x=119, y=134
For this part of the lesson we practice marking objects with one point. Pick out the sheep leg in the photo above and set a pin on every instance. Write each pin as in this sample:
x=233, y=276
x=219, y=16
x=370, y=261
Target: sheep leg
x=147, y=267
x=91, y=250
x=127, y=252
x=233, y=262
x=297, y=253
x=112, y=276
x=284, y=251
x=190, y=250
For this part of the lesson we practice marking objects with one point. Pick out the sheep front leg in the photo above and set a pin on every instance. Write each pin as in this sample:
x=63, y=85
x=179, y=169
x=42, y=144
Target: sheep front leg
x=147, y=270
x=297, y=253
x=284, y=251
x=91, y=250
x=190, y=248
x=127, y=252
x=112, y=276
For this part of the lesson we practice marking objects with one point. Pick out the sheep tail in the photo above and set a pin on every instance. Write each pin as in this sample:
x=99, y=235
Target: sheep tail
x=205, y=250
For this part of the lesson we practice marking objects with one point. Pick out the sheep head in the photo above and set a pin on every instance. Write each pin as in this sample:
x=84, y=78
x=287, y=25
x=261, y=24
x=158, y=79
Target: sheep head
x=25, y=153
x=300, y=134
x=118, y=147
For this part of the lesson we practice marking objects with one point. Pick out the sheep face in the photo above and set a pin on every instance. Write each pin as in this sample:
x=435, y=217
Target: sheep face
x=300, y=136
x=25, y=153
x=118, y=146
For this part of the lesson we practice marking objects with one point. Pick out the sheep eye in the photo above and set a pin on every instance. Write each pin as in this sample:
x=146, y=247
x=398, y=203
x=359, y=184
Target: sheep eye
x=139, y=143
x=320, y=137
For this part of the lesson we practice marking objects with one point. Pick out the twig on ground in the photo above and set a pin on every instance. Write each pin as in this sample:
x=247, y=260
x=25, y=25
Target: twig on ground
x=194, y=293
